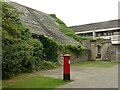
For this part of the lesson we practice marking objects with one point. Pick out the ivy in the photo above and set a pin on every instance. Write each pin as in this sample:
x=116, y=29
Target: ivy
x=67, y=31
x=51, y=48
x=76, y=49
x=20, y=52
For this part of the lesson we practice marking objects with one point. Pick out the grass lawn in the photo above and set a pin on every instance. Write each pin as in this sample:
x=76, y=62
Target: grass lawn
x=25, y=81
x=101, y=64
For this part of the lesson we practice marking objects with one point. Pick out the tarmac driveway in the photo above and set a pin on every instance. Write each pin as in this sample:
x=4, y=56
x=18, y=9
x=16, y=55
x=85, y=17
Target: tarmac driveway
x=87, y=77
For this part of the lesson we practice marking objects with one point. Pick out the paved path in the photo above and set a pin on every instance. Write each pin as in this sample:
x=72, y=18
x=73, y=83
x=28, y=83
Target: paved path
x=87, y=77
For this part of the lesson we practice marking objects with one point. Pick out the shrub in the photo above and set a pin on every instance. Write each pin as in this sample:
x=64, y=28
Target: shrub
x=47, y=65
x=51, y=49
x=76, y=49
x=20, y=52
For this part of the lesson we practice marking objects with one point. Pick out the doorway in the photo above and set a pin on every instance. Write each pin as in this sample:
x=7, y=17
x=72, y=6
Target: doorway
x=98, y=52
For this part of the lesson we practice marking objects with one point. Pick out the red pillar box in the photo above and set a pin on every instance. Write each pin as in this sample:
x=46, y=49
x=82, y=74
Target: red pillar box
x=66, y=73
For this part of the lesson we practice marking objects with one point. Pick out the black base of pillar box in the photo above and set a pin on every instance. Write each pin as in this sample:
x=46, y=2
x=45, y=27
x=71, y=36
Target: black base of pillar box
x=66, y=76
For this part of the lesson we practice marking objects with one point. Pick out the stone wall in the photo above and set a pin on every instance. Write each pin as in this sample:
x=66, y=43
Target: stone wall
x=108, y=50
x=110, y=54
x=118, y=52
x=93, y=50
x=74, y=59
x=85, y=56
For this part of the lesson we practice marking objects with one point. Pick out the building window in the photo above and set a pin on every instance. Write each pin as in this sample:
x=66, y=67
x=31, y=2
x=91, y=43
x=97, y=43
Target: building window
x=86, y=34
x=105, y=33
x=98, y=34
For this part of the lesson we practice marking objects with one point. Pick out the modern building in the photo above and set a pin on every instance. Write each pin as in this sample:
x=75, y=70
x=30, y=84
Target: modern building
x=106, y=39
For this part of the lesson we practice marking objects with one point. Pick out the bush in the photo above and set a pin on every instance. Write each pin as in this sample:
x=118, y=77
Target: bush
x=47, y=65
x=20, y=52
x=51, y=49
x=76, y=49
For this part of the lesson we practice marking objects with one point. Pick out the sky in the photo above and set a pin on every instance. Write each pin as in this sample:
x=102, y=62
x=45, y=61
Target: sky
x=76, y=12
